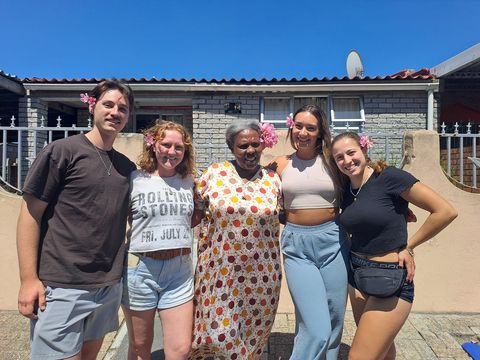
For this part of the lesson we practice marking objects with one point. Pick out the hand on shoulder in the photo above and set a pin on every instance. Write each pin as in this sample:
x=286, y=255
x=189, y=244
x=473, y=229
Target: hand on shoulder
x=279, y=163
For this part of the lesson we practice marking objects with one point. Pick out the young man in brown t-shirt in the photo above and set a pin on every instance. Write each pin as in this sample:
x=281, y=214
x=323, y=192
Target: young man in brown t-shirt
x=70, y=233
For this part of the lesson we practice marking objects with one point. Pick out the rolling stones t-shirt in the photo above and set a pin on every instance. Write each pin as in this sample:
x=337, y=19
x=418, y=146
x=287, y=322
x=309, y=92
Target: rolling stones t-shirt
x=161, y=209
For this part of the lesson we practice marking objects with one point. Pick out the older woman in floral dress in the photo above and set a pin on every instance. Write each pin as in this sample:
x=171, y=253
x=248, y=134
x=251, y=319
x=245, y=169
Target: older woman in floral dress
x=237, y=282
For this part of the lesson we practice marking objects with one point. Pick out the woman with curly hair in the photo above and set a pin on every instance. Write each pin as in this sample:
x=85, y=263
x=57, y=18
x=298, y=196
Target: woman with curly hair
x=159, y=276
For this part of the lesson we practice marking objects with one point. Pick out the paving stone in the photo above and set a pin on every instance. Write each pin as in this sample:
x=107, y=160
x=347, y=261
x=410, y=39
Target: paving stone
x=424, y=322
x=423, y=337
x=409, y=331
x=447, y=346
x=456, y=326
x=13, y=355
x=467, y=319
x=414, y=350
x=476, y=329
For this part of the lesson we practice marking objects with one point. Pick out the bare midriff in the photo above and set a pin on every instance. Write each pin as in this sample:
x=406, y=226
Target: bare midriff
x=391, y=256
x=311, y=217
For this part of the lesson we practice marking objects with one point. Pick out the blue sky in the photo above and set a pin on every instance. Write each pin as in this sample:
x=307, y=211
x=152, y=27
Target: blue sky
x=230, y=39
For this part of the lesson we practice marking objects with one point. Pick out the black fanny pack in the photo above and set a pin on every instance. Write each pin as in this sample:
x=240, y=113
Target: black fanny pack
x=377, y=279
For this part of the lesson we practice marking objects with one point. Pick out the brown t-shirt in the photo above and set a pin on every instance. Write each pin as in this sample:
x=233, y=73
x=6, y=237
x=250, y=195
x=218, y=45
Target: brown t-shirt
x=82, y=240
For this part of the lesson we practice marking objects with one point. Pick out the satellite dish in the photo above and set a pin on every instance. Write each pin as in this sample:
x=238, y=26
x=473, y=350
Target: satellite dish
x=354, y=65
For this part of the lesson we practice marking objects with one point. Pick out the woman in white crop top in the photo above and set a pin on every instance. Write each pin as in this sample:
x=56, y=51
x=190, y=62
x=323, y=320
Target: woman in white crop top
x=159, y=275
x=315, y=251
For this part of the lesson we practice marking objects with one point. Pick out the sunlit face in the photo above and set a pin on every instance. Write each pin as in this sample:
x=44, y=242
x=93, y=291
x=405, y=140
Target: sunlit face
x=349, y=157
x=110, y=112
x=305, y=132
x=247, y=150
x=169, y=152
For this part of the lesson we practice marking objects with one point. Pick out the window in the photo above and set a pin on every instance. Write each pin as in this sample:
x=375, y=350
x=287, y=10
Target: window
x=341, y=111
x=275, y=111
x=144, y=121
x=347, y=112
x=322, y=102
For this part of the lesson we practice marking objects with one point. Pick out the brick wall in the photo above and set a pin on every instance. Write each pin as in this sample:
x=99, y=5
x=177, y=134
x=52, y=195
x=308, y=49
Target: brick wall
x=30, y=112
x=209, y=123
x=391, y=113
x=394, y=113
x=468, y=167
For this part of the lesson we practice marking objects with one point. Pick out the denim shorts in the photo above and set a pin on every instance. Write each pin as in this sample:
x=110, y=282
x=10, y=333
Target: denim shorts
x=157, y=284
x=71, y=317
x=406, y=292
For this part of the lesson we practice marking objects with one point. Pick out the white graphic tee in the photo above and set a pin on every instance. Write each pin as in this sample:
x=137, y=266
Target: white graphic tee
x=160, y=212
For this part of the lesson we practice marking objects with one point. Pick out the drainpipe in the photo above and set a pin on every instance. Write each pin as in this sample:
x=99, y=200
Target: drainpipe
x=430, y=110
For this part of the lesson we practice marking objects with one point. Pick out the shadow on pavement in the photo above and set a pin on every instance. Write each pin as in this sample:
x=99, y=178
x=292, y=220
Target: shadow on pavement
x=280, y=347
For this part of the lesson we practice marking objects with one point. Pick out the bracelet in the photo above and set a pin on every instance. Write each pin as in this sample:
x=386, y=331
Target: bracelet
x=410, y=251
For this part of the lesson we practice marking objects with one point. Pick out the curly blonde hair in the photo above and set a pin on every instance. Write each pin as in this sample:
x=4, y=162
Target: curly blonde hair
x=147, y=160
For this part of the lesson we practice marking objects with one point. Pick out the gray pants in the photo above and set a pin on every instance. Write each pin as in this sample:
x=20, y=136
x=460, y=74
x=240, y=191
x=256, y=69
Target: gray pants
x=315, y=262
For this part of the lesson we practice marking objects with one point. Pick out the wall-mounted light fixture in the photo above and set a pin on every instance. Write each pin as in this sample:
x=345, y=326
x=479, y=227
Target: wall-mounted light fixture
x=233, y=108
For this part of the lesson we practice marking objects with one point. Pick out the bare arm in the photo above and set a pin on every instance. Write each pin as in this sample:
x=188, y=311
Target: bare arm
x=197, y=217
x=28, y=236
x=279, y=164
x=441, y=212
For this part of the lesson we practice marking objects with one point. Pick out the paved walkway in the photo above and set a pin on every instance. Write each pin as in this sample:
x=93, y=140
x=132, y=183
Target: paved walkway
x=425, y=336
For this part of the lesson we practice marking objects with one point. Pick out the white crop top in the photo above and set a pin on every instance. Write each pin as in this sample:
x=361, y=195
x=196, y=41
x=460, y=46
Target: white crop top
x=306, y=184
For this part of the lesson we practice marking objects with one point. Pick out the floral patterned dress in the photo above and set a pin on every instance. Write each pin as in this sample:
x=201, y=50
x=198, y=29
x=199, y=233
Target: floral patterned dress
x=238, y=275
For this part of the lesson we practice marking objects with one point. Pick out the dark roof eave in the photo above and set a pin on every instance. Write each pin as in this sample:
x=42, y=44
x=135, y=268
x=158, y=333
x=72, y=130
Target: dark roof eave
x=11, y=83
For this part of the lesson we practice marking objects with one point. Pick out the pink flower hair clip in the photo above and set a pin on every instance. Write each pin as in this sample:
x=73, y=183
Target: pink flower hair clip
x=366, y=142
x=87, y=99
x=268, y=135
x=149, y=140
x=290, y=122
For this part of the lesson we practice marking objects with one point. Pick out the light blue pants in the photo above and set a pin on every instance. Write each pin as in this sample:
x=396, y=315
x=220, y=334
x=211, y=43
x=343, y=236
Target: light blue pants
x=315, y=262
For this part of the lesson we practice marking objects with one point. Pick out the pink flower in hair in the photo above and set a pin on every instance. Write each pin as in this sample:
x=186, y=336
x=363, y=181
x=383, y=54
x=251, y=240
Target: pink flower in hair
x=366, y=142
x=149, y=140
x=87, y=99
x=268, y=135
x=290, y=122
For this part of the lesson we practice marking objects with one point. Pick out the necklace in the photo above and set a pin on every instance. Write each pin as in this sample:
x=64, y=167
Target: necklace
x=109, y=168
x=360, y=188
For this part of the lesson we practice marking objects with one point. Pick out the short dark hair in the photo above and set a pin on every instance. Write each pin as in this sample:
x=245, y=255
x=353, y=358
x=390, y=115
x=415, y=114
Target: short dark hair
x=107, y=85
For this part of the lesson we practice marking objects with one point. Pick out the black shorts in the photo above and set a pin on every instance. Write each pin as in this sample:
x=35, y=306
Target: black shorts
x=406, y=292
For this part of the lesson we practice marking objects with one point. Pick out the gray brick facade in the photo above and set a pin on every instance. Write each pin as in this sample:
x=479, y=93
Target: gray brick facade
x=209, y=122
x=393, y=113
x=31, y=110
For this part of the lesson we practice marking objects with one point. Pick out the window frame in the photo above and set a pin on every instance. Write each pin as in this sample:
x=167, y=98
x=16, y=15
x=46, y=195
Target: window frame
x=350, y=124
x=282, y=123
x=335, y=124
